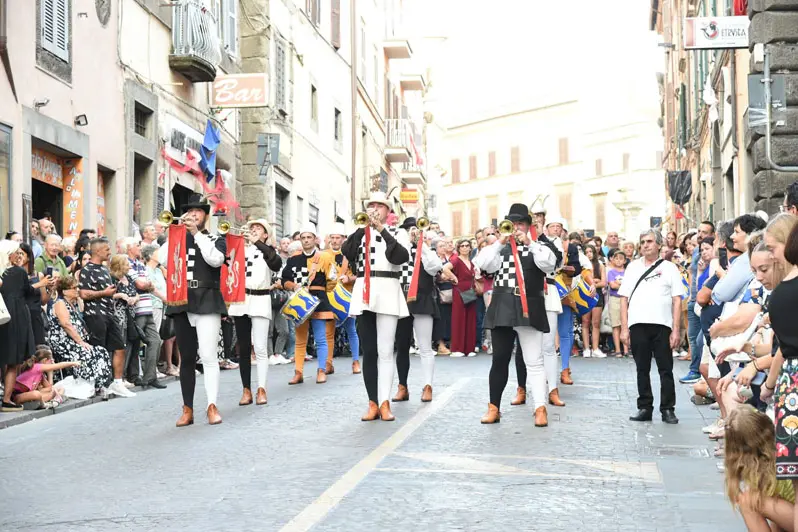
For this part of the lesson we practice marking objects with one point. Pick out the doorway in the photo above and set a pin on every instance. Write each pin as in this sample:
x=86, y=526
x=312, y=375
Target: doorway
x=180, y=197
x=48, y=200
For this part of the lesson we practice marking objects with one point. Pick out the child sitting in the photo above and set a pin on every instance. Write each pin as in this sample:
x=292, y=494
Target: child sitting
x=751, y=483
x=33, y=385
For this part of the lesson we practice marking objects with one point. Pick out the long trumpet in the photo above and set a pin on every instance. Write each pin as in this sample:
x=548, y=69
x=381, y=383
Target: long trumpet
x=423, y=223
x=506, y=228
x=362, y=219
x=167, y=218
x=225, y=227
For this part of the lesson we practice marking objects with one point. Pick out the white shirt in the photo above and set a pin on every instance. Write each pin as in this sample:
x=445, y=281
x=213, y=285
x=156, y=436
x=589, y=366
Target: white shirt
x=653, y=300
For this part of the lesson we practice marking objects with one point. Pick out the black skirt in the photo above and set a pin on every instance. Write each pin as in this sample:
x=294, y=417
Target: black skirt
x=424, y=305
x=505, y=310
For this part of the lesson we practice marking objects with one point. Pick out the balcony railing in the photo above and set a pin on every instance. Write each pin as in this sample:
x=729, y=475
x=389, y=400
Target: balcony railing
x=195, y=42
x=414, y=172
x=403, y=143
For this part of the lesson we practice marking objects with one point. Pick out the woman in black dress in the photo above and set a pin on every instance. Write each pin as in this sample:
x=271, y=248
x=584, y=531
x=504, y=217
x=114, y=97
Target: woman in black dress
x=39, y=297
x=16, y=336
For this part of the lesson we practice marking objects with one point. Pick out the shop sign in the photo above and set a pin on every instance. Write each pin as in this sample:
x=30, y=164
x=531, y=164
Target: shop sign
x=703, y=33
x=240, y=90
x=101, y=204
x=408, y=195
x=180, y=137
x=73, y=197
x=47, y=168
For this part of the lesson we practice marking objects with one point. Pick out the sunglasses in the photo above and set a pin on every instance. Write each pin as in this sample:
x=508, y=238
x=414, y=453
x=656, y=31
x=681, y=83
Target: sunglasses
x=465, y=245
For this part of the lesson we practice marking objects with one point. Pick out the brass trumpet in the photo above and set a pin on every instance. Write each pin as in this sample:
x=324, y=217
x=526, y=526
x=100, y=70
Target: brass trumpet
x=423, y=223
x=506, y=228
x=362, y=219
x=167, y=218
x=225, y=227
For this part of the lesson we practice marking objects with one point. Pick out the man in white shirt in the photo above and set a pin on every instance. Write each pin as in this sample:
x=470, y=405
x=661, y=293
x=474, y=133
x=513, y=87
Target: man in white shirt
x=650, y=312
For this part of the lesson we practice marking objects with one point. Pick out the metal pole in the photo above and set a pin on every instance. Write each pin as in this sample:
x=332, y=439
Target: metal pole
x=769, y=114
x=353, y=80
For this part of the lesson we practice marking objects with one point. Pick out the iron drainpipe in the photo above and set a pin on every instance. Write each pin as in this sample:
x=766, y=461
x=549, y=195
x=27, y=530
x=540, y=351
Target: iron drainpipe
x=353, y=81
x=769, y=115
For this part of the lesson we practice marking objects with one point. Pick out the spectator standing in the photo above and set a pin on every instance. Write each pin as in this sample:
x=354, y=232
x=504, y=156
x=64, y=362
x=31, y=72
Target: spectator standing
x=68, y=249
x=650, y=324
x=144, y=317
x=614, y=279
x=38, y=297
x=51, y=258
x=699, y=263
x=442, y=327
x=13, y=235
x=464, y=314
x=16, y=336
x=592, y=319
x=97, y=290
x=612, y=242
x=125, y=300
x=790, y=205
x=148, y=235
x=35, y=239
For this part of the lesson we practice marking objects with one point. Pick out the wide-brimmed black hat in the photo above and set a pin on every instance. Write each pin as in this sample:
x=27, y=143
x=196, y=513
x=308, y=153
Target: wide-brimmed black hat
x=196, y=201
x=408, y=223
x=519, y=213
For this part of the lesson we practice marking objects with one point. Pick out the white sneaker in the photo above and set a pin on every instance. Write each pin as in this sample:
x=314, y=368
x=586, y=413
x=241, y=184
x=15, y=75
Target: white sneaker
x=274, y=361
x=598, y=353
x=676, y=354
x=284, y=359
x=472, y=354
x=683, y=353
x=709, y=429
x=413, y=350
x=160, y=375
x=457, y=354
x=120, y=390
x=128, y=384
x=586, y=353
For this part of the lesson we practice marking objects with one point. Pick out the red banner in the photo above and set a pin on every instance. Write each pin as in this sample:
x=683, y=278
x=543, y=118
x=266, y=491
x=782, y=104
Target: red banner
x=234, y=271
x=176, y=286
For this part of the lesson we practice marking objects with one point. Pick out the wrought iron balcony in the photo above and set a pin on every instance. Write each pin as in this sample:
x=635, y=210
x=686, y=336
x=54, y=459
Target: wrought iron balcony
x=399, y=140
x=414, y=172
x=196, y=51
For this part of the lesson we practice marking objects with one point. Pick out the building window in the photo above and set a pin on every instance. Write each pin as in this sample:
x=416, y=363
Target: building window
x=474, y=214
x=339, y=131
x=141, y=120
x=376, y=74
x=5, y=180
x=457, y=222
x=564, y=201
x=335, y=24
x=314, y=108
x=313, y=9
x=280, y=75
x=493, y=209
x=515, y=160
x=362, y=49
x=599, y=204
x=625, y=162
x=599, y=169
x=563, y=152
x=472, y=167
x=455, y=170
x=55, y=27
x=226, y=14
x=491, y=163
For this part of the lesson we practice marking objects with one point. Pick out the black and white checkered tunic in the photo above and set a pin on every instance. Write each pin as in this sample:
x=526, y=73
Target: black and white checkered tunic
x=255, y=257
x=191, y=254
x=406, y=275
x=361, y=254
x=301, y=276
x=505, y=275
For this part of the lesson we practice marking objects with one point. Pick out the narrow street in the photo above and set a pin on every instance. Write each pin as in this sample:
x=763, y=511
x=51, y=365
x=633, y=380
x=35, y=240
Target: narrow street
x=306, y=461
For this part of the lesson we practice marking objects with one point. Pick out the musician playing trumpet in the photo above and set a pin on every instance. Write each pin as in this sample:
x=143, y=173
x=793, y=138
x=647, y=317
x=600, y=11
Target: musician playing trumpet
x=377, y=253
x=252, y=317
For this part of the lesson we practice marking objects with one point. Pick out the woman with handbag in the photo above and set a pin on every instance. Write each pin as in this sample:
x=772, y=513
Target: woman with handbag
x=125, y=300
x=464, y=297
x=16, y=333
x=442, y=326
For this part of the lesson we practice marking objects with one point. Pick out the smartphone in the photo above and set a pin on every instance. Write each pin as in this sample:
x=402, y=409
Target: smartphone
x=48, y=271
x=723, y=258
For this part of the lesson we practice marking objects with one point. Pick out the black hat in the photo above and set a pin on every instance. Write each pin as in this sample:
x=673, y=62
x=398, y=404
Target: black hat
x=408, y=223
x=196, y=201
x=519, y=213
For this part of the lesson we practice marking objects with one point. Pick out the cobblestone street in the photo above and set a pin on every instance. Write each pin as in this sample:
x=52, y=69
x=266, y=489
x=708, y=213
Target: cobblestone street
x=306, y=461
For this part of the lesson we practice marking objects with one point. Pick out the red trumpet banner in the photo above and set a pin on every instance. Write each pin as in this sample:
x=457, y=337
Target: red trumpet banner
x=234, y=271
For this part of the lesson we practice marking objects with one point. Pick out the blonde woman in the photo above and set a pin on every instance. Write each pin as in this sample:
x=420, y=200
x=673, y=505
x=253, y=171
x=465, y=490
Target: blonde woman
x=125, y=300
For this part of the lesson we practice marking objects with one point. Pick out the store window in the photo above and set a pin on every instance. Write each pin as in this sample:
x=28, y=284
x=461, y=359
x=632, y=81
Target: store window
x=5, y=180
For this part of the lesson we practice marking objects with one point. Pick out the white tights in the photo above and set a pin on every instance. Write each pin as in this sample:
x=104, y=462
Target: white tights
x=260, y=339
x=386, y=365
x=531, y=341
x=422, y=326
x=550, y=352
x=207, y=327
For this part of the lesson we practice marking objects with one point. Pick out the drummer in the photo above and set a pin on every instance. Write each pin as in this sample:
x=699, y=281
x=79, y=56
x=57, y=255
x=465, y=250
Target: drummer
x=310, y=270
x=343, y=275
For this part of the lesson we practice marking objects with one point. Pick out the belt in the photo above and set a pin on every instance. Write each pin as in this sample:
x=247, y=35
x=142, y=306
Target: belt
x=515, y=291
x=317, y=288
x=203, y=284
x=384, y=274
x=253, y=292
x=550, y=281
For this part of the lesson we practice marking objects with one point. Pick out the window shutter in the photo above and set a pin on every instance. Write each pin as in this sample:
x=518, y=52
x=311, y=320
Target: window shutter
x=563, y=151
x=472, y=167
x=491, y=163
x=599, y=170
x=457, y=223
x=279, y=76
x=55, y=27
x=231, y=27
x=474, y=218
x=335, y=17
x=455, y=170
x=625, y=162
x=515, y=159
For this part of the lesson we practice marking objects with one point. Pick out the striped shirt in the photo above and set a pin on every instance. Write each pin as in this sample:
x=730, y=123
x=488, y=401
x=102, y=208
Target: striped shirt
x=139, y=271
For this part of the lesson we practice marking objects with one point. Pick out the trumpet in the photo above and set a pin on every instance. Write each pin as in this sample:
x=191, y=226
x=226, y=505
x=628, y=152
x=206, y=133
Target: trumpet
x=506, y=228
x=167, y=218
x=423, y=223
x=362, y=219
x=225, y=227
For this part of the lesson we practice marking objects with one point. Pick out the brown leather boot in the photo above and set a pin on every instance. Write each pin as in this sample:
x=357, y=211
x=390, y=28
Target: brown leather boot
x=541, y=417
x=213, y=415
x=321, y=377
x=187, y=418
x=402, y=394
x=565, y=376
x=493, y=415
x=554, y=398
x=520, y=397
x=385, y=412
x=426, y=394
x=372, y=413
x=356, y=367
x=330, y=369
x=246, y=398
x=298, y=378
x=261, y=398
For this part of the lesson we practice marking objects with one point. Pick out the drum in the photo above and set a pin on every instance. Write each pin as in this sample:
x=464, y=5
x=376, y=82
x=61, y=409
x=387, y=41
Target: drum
x=585, y=301
x=300, y=306
x=562, y=283
x=340, y=298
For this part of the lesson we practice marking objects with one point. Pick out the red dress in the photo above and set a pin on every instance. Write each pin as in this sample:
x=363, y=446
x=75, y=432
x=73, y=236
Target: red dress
x=464, y=317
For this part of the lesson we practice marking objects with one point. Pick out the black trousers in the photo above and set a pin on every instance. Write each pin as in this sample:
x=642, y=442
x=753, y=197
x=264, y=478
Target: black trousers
x=653, y=341
x=404, y=337
x=244, y=333
x=503, y=339
x=367, y=332
x=520, y=366
x=187, y=342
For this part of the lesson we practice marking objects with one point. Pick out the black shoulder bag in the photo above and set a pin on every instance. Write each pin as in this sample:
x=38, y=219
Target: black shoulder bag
x=648, y=271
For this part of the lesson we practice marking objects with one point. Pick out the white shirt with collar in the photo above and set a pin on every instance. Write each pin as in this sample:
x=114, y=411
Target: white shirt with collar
x=653, y=300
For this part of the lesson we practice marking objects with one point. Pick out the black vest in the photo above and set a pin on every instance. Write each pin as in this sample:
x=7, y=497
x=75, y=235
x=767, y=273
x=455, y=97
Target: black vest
x=205, y=299
x=425, y=303
x=505, y=308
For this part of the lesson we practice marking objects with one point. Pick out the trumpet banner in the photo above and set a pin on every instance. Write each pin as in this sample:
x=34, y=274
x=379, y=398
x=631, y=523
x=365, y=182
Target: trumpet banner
x=176, y=285
x=234, y=271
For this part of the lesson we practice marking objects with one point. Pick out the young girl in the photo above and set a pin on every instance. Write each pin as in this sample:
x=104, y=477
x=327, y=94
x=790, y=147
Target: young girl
x=614, y=278
x=32, y=384
x=751, y=483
